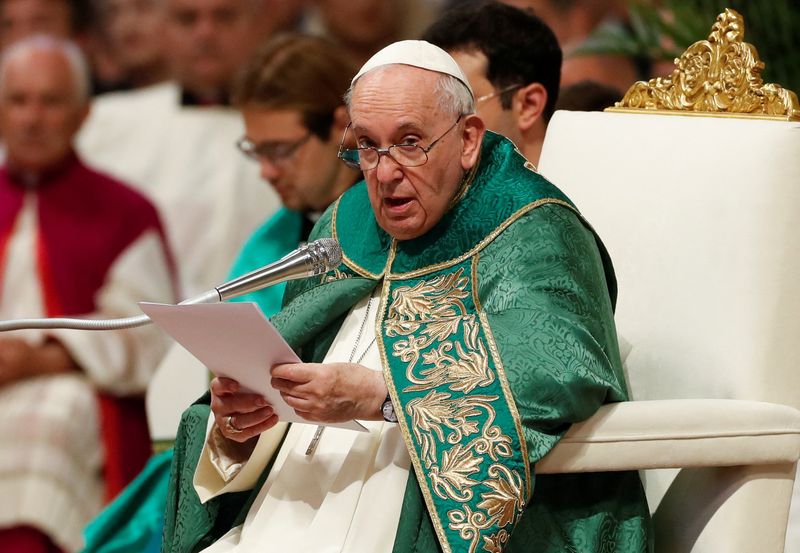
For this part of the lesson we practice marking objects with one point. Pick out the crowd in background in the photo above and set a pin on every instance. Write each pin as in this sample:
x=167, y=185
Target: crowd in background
x=162, y=74
x=130, y=42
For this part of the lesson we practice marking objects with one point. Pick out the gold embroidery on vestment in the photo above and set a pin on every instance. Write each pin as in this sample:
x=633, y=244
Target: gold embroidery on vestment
x=443, y=349
x=482, y=244
x=501, y=506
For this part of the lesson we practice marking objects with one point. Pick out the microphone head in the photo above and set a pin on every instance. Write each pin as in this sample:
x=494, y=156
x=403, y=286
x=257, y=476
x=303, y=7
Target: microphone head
x=325, y=253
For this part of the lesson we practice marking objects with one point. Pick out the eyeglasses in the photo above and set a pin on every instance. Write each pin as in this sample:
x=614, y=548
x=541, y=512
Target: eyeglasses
x=273, y=152
x=496, y=93
x=407, y=155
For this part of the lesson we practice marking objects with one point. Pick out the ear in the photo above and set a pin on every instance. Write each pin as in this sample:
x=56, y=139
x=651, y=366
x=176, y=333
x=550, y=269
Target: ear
x=528, y=105
x=340, y=122
x=472, y=136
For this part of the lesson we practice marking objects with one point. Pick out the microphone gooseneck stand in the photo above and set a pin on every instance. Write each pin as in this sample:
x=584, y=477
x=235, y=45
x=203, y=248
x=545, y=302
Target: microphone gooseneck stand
x=312, y=259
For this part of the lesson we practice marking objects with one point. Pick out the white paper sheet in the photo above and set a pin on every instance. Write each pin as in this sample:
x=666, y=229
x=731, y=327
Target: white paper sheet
x=236, y=341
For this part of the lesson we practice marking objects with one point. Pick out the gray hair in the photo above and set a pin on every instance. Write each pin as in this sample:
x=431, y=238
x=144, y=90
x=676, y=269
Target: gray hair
x=45, y=43
x=454, y=96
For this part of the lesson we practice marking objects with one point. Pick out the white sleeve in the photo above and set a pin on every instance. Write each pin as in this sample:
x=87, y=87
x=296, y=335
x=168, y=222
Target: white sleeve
x=122, y=361
x=222, y=470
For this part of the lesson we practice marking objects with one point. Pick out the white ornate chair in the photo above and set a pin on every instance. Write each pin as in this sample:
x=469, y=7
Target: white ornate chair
x=700, y=216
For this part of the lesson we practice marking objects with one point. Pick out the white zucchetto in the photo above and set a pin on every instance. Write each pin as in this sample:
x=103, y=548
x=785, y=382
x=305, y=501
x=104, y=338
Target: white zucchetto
x=417, y=53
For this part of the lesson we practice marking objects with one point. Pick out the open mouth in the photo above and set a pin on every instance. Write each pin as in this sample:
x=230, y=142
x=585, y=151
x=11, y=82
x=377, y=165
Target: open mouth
x=397, y=202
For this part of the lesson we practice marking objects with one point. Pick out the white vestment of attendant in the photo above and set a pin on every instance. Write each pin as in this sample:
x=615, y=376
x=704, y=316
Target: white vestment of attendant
x=184, y=158
x=344, y=498
x=50, y=451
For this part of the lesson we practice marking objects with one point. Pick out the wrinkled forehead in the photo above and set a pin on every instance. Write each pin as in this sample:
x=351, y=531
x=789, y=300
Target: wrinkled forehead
x=396, y=89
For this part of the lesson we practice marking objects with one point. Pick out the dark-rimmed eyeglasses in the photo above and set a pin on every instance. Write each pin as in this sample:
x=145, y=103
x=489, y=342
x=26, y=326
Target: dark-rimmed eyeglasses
x=407, y=155
x=273, y=152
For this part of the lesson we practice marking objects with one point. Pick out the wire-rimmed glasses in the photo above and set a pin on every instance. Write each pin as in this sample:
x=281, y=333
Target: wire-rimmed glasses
x=496, y=93
x=273, y=152
x=408, y=155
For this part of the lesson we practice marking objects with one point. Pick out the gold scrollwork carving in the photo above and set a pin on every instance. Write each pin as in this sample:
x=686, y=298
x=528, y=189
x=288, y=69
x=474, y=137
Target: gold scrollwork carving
x=720, y=75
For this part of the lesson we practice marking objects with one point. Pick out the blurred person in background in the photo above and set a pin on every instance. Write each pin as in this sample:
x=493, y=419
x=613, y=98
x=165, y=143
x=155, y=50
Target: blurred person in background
x=72, y=242
x=59, y=18
x=587, y=96
x=208, y=41
x=365, y=26
x=513, y=63
x=133, y=32
x=283, y=16
x=68, y=19
x=291, y=98
x=573, y=21
x=174, y=140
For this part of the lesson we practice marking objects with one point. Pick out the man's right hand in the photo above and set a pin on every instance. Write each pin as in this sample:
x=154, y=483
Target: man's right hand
x=240, y=416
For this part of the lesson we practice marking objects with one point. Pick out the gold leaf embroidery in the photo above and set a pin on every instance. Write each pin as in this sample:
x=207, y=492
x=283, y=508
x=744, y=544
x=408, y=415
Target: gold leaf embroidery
x=441, y=329
x=504, y=502
x=503, y=505
x=447, y=357
x=496, y=542
x=439, y=298
x=452, y=479
x=433, y=311
x=435, y=412
x=468, y=524
x=464, y=373
x=332, y=276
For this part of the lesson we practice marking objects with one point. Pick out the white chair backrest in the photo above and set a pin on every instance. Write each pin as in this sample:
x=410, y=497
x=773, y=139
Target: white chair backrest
x=701, y=217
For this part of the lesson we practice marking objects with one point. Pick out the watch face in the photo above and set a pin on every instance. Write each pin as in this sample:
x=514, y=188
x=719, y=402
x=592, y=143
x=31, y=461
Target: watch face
x=388, y=411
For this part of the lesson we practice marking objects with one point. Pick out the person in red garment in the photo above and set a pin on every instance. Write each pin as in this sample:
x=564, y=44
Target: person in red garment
x=72, y=242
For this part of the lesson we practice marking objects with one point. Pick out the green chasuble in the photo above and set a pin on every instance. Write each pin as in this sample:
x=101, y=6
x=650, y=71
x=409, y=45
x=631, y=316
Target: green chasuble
x=496, y=333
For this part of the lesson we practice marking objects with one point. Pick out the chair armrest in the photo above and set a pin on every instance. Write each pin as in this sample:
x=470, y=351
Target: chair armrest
x=678, y=433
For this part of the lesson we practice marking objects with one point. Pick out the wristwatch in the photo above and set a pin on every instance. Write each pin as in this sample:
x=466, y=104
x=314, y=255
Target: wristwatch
x=388, y=410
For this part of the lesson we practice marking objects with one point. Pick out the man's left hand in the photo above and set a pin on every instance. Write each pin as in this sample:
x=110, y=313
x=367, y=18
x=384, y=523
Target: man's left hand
x=331, y=392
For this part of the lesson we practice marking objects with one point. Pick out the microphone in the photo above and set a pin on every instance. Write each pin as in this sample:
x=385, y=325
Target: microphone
x=315, y=258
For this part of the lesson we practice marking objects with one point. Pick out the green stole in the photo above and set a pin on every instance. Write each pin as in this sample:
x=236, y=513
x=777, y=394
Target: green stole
x=440, y=360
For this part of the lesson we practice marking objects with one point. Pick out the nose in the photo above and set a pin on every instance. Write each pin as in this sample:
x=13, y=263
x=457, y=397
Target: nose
x=30, y=113
x=269, y=171
x=388, y=170
x=205, y=28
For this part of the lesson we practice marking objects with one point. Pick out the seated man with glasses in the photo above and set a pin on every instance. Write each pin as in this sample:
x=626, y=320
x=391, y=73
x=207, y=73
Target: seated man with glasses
x=513, y=62
x=291, y=98
x=469, y=324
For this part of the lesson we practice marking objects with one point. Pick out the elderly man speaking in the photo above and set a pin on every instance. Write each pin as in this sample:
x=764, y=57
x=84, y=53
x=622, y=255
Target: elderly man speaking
x=469, y=324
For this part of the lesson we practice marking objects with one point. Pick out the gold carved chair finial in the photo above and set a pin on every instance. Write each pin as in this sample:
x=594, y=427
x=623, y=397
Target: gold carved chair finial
x=717, y=76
